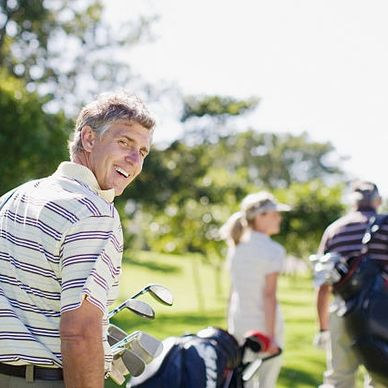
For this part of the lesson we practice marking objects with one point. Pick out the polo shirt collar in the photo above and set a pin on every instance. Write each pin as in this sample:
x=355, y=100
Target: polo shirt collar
x=259, y=235
x=83, y=174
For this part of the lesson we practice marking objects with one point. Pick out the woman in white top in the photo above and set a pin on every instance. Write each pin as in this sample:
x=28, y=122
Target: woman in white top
x=254, y=262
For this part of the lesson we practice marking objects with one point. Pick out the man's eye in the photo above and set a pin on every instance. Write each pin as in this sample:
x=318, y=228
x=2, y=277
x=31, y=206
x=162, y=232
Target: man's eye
x=123, y=142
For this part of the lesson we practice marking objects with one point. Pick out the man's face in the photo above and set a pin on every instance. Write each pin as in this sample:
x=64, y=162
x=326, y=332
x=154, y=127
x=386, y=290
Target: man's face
x=116, y=158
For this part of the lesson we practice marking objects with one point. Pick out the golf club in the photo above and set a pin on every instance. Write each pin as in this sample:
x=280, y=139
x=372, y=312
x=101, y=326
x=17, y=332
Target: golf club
x=158, y=292
x=115, y=334
x=143, y=345
x=136, y=306
x=128, y=362
x=251, y=369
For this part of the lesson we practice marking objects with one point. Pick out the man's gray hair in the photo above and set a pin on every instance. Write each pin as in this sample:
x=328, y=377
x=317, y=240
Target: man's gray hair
x=106, y=109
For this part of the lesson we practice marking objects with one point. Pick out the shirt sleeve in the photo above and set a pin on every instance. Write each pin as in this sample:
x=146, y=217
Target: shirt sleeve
x=91, y=262
x=276, y=259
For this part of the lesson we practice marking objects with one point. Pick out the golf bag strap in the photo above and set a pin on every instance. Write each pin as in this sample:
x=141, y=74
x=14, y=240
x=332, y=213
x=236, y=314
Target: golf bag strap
x=355, y=261
x=374, y=226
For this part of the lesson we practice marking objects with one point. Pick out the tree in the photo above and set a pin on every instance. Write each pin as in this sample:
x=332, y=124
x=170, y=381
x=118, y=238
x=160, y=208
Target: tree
x=190, y=188
x=207, y=118
x=32, y=142
x=315, y=205
x=64, y=48
x=53, y=55
x=218, y=107
x=277, y=160
x=188, y=191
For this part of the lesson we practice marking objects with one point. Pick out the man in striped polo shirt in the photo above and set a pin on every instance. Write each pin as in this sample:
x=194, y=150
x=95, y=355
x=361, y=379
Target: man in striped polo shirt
x=61, y=246
x=345, y=237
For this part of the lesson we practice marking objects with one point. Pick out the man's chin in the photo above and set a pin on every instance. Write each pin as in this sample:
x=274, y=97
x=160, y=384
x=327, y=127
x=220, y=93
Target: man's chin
x=118, y=191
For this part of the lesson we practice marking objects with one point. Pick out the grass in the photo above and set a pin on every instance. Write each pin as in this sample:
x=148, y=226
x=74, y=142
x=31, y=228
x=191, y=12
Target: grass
x=198, y=304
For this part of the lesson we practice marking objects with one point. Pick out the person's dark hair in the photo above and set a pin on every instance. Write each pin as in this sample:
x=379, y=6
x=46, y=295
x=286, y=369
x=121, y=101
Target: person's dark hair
x=365, y=194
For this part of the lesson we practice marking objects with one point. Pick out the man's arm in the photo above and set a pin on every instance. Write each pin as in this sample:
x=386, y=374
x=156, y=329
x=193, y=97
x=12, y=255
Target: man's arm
x=323, y=299
x=81, y=347
x=321, y=339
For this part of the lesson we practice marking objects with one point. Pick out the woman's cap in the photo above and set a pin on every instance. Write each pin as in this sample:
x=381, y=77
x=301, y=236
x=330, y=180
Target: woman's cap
x=261, y=202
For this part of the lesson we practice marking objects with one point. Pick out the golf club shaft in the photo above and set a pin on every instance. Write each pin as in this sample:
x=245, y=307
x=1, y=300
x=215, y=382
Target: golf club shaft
x=119, y=346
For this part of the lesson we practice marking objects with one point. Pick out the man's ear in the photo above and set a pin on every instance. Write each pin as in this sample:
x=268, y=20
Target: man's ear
x=88, y=138
x=379, y=202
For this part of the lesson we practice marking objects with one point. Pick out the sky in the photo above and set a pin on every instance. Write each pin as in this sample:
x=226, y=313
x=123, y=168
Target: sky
x=318, y=66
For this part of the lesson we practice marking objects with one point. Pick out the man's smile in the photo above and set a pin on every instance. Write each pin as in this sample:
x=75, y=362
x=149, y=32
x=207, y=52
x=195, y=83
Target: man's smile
x=122, y=172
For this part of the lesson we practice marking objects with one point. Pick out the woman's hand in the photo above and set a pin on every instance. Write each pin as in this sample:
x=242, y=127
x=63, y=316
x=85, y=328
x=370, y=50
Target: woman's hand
x=273, y=347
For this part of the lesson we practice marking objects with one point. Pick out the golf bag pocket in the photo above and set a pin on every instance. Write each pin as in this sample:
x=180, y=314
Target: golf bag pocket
x=366, y=323
x=362, y=271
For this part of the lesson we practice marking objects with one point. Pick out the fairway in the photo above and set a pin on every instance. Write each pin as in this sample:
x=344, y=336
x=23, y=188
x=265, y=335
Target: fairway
x=198, y=304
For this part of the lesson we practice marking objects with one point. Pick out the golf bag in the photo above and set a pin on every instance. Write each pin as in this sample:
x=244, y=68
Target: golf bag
x=365, y=291
x=192, y=361
x=210, y=358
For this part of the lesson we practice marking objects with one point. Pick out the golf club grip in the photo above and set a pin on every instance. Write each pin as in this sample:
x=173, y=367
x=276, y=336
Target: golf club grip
x=278, y=353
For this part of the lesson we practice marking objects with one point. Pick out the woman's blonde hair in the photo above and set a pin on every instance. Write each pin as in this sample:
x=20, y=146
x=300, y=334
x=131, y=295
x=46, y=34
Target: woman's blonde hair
x=234, y=228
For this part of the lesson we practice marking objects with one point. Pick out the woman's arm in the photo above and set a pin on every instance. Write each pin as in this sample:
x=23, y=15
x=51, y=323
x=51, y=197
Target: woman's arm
x=270, y=303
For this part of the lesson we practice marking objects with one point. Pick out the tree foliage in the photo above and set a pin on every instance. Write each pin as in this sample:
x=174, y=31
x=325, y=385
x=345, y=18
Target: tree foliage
x=65, y=48
x=64, y=51
x=189, y=189
x=216, y=106
x=314, y=206
x=53, y=54
x=32, y=142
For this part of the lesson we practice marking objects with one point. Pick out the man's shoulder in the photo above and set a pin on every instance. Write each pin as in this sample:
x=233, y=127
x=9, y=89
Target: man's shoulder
x=73, y=196
x=349, y=219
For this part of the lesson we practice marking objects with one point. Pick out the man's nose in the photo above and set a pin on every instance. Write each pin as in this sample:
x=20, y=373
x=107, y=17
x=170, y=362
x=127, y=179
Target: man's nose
x=133, y=156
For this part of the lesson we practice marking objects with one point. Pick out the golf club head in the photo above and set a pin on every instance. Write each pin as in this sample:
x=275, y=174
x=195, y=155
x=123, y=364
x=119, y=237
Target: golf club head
x=140, y=308
x=133, y=363
x=146, y=347
x=116, y=373
x=127, y=363
x=115, y=334
x=143, y=345
x=120, y=346
x=161, y=294
x=251, y=369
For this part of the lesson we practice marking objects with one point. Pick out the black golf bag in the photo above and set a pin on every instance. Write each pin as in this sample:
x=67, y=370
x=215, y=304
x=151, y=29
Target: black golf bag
x=204, y=359
x=210, y=358
x=365, y=291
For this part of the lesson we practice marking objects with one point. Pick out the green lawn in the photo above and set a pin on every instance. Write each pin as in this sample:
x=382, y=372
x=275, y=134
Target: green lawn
x=198, y=304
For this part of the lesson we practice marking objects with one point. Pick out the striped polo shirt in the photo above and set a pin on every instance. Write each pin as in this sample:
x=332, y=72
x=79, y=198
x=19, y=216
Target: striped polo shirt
x=345, y=236
x=60, y=242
